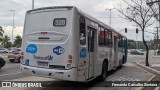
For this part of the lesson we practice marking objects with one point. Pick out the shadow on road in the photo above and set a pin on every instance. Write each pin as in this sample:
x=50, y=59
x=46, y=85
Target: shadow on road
x=63, y=85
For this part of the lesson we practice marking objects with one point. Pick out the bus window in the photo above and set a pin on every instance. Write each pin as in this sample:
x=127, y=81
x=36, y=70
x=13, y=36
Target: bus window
x=105, y=38
x=82, y=31
x=109, y=42
x=100, y=38
x=102, y=35
x=119, y=41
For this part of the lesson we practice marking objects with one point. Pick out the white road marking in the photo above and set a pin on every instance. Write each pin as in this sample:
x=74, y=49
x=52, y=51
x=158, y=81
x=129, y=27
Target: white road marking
x=157, y=88
x=121, y=79
x=9, y=74
x=155, y=65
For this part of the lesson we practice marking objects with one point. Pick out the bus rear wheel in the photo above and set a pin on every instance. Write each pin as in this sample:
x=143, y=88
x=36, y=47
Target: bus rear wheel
x=104, y=71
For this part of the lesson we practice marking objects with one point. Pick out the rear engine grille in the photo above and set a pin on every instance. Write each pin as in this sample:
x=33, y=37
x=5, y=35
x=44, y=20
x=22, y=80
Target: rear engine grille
x=57, y=67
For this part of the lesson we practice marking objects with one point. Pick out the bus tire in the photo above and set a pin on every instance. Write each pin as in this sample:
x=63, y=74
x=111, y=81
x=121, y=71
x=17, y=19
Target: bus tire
x=104, y=71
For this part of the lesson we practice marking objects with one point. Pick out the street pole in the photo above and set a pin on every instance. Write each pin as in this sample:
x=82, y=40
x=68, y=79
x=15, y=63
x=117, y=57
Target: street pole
x=32, y=4
x=136, y=41
x=154, y=45
x=13, y=26
x=159, y=25
x=110, y=15
x=157, y=37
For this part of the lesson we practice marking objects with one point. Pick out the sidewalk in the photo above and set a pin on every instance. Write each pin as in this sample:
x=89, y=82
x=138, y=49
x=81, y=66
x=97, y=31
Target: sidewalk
x=154, y=63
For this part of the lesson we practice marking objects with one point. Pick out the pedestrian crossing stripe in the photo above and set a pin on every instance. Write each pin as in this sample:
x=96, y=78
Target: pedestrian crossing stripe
x=121, y=79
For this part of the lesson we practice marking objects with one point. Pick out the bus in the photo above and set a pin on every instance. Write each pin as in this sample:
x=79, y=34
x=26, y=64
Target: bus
x=64, y=43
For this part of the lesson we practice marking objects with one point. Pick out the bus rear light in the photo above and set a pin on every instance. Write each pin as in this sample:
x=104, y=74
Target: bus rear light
x=44, y=32
x=60, y=72
x=69, y=58
x=69, y=61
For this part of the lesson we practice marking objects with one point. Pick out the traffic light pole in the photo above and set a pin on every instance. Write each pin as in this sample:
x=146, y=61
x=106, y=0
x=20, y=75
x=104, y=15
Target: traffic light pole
x=136, y=41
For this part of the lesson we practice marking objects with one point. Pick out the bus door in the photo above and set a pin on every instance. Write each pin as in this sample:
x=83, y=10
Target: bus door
x=91, y=44
x=115, y=51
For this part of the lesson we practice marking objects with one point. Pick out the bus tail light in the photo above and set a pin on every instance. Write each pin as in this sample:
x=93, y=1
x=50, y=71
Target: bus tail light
x=69, y=58
x=44, y=32
x=60, y=72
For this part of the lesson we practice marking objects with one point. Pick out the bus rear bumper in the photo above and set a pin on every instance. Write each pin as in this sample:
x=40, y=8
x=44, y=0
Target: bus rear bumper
x=69, y=75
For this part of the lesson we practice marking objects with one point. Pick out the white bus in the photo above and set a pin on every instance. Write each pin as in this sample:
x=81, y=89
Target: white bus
x=66, y=43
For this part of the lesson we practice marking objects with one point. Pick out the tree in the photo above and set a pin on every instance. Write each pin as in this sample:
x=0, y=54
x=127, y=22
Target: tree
x=1, y=31
x=8, y=45
x=6, y=40
x=1, y=35
x=138, y=12
x=18, y=41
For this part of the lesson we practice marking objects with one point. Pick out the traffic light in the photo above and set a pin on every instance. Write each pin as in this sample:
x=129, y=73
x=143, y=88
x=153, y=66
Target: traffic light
x=136, y=30
x=125, y=30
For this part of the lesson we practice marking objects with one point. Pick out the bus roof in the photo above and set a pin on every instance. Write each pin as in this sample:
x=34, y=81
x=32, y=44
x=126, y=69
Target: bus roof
x=82, y=13
x=100, y=23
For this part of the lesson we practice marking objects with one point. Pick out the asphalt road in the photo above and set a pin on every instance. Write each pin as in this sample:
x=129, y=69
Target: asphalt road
x=135, y=58
x=129, y=72
x=10, y=70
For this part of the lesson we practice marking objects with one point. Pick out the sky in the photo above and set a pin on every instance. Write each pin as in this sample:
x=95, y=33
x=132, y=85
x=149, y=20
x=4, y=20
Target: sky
x=95, y=8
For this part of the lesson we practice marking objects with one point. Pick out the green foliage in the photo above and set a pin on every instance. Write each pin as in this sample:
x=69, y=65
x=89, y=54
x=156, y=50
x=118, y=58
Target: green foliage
x=8, y=45
x=5, y=41
x=1, y=31
x=18, y=41
x=140, y=45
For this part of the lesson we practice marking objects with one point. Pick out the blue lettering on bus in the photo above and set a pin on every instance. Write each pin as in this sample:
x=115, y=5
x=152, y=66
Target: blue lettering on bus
x=83, y=53
x=31, y=49
x=58, y=50
x=27, y=62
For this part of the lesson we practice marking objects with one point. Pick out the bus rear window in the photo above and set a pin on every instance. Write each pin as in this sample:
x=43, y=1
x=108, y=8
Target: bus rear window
x=59, y=22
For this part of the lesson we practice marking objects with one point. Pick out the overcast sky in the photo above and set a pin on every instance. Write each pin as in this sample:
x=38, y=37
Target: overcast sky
x=95, y=8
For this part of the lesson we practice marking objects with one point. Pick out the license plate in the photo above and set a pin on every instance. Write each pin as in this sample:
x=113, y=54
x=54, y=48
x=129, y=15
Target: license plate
x=43, y=64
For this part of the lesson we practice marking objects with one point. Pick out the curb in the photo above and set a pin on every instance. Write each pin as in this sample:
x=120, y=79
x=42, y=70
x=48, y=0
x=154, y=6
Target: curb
x=141, y=88
x=153, y=76
x=153, y=71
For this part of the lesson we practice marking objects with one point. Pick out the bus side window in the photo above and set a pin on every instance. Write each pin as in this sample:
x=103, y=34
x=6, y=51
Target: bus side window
x=99, y=36
x=102, y=37
x=82, y=30
x=105, y=37
x=119, y=41
x=109, y=40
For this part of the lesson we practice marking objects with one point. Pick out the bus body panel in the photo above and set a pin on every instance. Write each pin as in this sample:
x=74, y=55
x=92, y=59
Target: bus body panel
x=48, y=47
x=56, y=51
x=67, y=74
